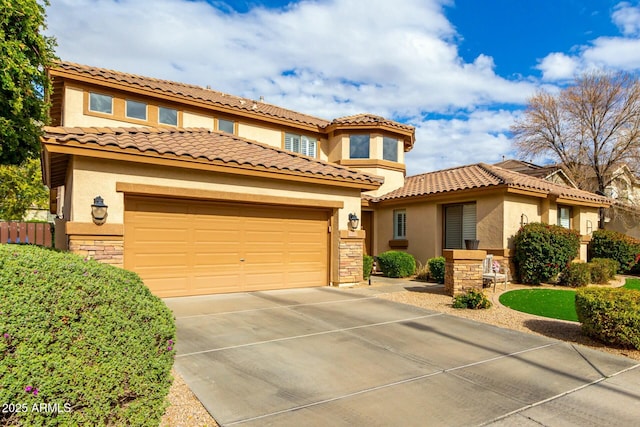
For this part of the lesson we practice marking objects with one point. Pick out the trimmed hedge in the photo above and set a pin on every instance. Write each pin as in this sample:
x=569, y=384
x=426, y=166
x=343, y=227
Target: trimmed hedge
x=397, y=264
x=85, y=336
x=576, y=275
x=616, y=246
x=611, y=315
x=542, y=251
x=436, y=268
x=367, y=265
x=603, y=270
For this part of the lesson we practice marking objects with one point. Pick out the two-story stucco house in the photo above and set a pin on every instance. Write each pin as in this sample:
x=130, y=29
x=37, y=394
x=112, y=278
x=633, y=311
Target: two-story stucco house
x=208, y=192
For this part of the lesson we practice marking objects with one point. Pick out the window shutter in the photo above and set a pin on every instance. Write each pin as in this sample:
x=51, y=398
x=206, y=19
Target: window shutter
x=288, y=142
x=400, y=224
x=453, y=227
x=468, y=222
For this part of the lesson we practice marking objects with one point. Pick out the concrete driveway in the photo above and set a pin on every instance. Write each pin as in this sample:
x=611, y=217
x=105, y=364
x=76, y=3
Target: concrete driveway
x=331, y=357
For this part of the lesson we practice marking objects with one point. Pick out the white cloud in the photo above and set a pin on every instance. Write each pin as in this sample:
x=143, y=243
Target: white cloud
x=327, y=58
x=627, y=18
x=558, y=66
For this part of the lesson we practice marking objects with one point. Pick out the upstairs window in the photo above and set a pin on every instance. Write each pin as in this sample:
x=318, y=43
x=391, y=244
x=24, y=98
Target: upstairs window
x=300, y=144
x=226, y=126
x=390, y=149
x=564, y=216
x=167, y=116
x=359, y=146
x=136, y=110
x=459, y=225
x=100, y=103
x=400, y=224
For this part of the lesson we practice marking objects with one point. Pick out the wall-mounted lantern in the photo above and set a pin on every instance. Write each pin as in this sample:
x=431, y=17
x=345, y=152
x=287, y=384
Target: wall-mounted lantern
x=524, y=220
x=354, y=221
x=99, y=211
x=589, y=226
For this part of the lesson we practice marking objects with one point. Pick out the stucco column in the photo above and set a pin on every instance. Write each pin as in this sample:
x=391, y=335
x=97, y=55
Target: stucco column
x=463, y=270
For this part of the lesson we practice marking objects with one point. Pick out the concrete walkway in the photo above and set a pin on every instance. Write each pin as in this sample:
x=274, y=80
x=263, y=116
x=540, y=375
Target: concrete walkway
x=329, y=357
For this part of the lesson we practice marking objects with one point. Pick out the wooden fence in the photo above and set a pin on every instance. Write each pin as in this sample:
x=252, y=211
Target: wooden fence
x=37, y=233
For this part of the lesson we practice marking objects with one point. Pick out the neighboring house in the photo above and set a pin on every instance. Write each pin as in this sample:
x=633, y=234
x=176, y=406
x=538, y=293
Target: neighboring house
x=440, y=210
x=624, y=190
x=208, y=192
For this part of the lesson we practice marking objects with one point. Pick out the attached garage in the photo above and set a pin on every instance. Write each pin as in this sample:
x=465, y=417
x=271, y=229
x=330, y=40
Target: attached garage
x=186, y=247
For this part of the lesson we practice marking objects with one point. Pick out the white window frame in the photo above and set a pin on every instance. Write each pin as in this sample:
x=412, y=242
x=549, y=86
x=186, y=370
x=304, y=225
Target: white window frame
x=301, y=144
x=167, y=109
x=562, y=220
x=91, y=103
x=400, y=224
x=146, y=109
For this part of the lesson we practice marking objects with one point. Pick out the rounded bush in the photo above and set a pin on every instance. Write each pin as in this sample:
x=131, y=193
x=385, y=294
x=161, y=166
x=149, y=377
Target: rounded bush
x=397, y=264
x=576, y=275
x=84, y=336
x=436, y=268
x=474, y=299
x=367, y=266
x=542, y=251
x=611, y=315
x=603, y=270
x=617, y=246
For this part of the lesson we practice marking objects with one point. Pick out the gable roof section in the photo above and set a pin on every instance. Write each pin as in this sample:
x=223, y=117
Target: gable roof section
x=199, y=148
x=182, y=91
x=531, y=169
x=484, y=176
x=369, y=121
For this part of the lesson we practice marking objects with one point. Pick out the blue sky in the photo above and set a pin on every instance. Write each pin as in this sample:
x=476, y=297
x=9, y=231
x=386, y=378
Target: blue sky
x=460, y=71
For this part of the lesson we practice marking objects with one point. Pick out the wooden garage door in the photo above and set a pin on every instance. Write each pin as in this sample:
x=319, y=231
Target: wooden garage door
x=182, y=247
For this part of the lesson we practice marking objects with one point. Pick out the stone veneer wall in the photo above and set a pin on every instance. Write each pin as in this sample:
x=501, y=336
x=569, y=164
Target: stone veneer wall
x=463, y=270
x=350, y=250
x=101, y=248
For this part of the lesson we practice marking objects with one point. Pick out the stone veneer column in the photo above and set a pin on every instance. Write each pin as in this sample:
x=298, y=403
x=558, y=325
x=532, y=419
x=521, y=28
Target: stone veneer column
x=350, y=251
x=463, y=270
x=105, y=249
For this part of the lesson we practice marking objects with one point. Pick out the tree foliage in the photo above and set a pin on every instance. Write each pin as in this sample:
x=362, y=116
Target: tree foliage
x=24, y=84
x=591, y=127
x=20, y=188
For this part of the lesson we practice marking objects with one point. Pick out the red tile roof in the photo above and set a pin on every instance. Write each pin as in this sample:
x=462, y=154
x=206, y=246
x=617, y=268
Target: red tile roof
x=215, y=148
x=187, y=91
x=482, y=175
x=367, y=120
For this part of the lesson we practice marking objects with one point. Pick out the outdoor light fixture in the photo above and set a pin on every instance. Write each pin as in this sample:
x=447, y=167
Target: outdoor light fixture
x=524, y=220
x=589, y=226
x=99, y=211
x=353, y=221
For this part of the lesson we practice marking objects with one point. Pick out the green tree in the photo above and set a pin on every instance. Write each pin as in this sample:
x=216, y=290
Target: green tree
x=24, y=85
x=20, y=188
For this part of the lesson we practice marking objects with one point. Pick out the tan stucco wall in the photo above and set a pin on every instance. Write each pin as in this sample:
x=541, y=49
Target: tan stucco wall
x=193, y=120
x=74, y=113
x=98, y=177
x=261, y=134
x=514, y=207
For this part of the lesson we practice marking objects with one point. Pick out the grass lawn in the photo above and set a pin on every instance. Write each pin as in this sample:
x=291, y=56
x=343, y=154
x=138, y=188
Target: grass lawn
x=553, y=303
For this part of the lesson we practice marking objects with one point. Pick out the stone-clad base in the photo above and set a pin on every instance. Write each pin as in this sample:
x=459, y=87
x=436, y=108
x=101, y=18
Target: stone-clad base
x=463, y=270
x=350, y=250
x=105, y=249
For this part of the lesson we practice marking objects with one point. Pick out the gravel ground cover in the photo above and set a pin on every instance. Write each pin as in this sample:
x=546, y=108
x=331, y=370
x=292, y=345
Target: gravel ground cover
x=185, y=409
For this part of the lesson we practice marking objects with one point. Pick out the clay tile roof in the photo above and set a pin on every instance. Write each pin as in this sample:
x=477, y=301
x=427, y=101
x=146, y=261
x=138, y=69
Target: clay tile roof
x=216, y=148
x=366, y=119
x=482, y=175
x=187, y=91
x=528, y=168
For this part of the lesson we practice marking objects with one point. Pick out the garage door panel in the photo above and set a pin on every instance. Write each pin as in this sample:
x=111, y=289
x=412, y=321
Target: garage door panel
x=193, y=248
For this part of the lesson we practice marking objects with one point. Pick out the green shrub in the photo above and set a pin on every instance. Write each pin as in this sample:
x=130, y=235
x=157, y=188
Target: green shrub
x=84, y=334
x=576, y=275
x=611, y=315
x=397, y=264
x=473, y=298
x=616, y=246
x=436, y=269
x=603, y=270
x=422, y=271
x=542, y=251
x=367, y=266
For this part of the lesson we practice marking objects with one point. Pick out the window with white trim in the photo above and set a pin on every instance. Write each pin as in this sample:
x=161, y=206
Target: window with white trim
x=228, y=126
x=390, y=149
x=399, y=224
x=136, y=110
x=359, y=146
x=100, y=103
x=300, y=144
x=459, y=225
x=167, y=116
x=564, y=216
